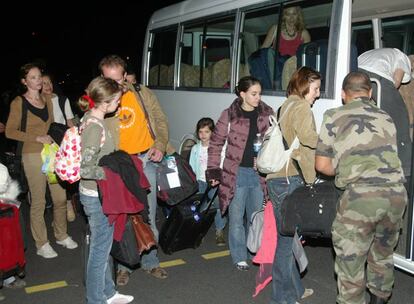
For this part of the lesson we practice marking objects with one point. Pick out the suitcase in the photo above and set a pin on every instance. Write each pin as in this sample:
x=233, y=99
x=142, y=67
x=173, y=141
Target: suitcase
x=188, y=223
x=314, y=54
x=12, y=260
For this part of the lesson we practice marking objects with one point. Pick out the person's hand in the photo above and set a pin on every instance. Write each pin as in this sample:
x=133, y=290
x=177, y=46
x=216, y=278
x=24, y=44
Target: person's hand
x=214, y=182
x=44, y=139
x=2, y=127
x=155, y=155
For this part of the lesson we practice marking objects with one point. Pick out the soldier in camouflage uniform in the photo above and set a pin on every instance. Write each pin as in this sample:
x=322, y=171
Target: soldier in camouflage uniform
x=357, y=143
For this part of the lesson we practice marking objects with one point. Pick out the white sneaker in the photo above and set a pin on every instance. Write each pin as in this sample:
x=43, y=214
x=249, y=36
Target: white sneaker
x=47, y=251
x=119, y=298
x=68, y=243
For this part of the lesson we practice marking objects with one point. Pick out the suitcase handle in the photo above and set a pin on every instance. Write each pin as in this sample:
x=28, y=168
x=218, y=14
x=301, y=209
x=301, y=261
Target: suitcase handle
x=205, y=197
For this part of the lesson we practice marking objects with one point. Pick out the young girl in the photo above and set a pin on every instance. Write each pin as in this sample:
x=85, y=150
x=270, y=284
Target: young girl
x=241, y=187
x=96, y=141
x=198, y=161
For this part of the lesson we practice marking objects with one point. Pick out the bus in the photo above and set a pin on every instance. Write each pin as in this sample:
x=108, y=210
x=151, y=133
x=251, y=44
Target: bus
x=195, y=51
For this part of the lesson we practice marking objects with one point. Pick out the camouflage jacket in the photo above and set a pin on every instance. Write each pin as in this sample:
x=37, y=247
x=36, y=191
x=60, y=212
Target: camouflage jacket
x=361, y=140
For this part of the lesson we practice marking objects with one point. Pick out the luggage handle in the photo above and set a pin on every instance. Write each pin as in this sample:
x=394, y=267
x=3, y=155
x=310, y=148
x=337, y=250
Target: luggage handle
x=205, y=197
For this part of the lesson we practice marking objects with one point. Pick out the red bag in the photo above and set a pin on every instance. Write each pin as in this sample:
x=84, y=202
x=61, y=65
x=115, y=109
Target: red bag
x=12, y=259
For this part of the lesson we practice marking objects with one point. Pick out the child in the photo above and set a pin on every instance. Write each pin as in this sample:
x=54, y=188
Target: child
x=198, y=161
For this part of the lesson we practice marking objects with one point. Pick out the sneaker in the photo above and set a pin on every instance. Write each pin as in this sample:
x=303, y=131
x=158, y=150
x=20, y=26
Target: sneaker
x=308, y=292
x=243, y=266
x=119, y=298
x=46, y=251
x=70, y=213
x=122, y=277
x=220, y=241
x=68, y=243
x=16, y=284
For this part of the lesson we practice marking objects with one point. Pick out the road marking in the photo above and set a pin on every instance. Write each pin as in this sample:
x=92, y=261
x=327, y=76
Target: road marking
x=172, y=263
x=215, y=255
x=47, y=286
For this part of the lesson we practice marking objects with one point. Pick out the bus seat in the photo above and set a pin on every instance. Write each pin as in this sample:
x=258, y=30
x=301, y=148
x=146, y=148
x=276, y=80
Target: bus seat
x=186, y=143
x=288, y=69
x=170, y=75
x=221, y=73
x=189, y=75
x=243, y=70
x=153, y=75
x=207, y=77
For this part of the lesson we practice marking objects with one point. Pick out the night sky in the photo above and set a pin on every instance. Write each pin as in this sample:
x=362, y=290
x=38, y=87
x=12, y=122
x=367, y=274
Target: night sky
x=70, y=41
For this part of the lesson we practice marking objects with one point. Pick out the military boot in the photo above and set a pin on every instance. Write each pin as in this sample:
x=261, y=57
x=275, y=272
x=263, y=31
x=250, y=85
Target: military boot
x=377, y=300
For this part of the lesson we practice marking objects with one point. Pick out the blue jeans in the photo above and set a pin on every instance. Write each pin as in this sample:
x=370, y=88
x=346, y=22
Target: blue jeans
x=287, y=287
x=219, y=220
x=99, y=283
x=149, y=260
x=248, y=198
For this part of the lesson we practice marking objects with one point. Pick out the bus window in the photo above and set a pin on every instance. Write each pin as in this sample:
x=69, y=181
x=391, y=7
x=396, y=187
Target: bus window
x=362, y=36
x=398, y=32
x=162, y=54
x=205, y=53
x=301, y=37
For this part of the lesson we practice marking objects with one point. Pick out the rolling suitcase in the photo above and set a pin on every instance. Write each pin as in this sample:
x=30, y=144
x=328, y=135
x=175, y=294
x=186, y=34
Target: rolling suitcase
x=188, y=223
x=314, y=54
x=12, y=260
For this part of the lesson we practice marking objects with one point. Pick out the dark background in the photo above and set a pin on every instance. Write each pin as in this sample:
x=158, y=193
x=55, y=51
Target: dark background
x=69, y=39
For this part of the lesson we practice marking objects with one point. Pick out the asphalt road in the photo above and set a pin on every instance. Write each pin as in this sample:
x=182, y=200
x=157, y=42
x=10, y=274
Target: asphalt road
x=193, y=278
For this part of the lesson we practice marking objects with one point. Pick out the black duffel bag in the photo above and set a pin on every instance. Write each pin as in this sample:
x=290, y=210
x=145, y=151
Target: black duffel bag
x=310, y=210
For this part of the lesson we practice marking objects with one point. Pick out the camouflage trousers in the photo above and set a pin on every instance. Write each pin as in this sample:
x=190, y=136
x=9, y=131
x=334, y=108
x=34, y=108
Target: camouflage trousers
x=364, y=234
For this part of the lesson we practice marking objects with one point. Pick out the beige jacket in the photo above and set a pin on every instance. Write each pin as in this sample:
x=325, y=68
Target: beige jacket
x=299, y=121
x=158, y=122
x=34, y=125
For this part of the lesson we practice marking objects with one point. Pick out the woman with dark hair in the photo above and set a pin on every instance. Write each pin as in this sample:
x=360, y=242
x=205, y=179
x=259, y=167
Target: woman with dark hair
x=241, y=187
x=296, y=119
x=38, y=110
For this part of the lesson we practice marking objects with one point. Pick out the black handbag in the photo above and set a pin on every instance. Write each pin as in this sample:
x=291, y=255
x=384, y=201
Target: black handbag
x=57, y=131
x=310, y=210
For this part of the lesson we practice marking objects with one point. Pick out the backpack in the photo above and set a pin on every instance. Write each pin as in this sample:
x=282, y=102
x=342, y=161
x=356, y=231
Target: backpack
x=176, y=180
x=273, y=155
x=68, y=157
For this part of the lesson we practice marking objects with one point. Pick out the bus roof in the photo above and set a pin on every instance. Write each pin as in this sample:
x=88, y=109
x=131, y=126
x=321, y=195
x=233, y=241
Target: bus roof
x=192, y=9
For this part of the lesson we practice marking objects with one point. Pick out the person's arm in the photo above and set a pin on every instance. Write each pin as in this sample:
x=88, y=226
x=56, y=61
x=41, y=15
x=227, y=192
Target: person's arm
x=69, y=114
x=324, y=150
x=215, y=148
x=270, y=37
x=324, y=165
x=304, y=125
x=398, y=77
x=306, y=36
x=90, y=147
x=160, y=126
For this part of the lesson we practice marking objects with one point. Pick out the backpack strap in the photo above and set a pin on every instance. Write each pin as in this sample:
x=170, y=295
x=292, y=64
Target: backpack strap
x=95, y=121
x=62, y=101
x=138, y=90
x=23, y=124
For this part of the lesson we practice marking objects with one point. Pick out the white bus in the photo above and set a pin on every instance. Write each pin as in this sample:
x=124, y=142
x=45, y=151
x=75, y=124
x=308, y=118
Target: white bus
x=196, y=50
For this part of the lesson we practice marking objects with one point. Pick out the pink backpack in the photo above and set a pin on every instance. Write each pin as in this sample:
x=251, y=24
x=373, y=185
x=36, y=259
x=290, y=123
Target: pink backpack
x=68, y=157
